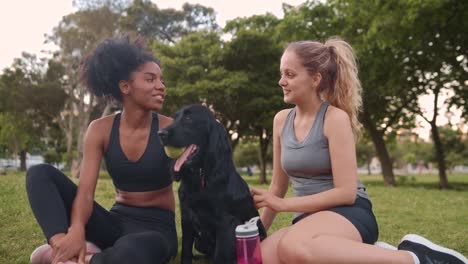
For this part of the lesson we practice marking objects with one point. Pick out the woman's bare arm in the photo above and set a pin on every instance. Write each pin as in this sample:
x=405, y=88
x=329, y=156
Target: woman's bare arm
x=279, y=180
x=73, y=243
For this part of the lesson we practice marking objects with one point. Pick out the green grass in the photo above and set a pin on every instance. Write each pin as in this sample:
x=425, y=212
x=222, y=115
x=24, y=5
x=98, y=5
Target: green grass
x=415, y=206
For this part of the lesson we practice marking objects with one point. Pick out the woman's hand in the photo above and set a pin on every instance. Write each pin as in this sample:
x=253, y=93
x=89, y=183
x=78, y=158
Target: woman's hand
x=264, y=198
x=71, y=246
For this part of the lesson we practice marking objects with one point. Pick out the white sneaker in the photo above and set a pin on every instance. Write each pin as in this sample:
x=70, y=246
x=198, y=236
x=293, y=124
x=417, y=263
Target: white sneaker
x=429, y=252
x=43, y=253
x=385, y=245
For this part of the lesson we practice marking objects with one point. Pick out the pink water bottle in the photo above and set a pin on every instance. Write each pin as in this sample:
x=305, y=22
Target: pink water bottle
x=248, y=243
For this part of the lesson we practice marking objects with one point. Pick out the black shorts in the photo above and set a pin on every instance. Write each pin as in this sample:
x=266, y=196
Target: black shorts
x=360, y=215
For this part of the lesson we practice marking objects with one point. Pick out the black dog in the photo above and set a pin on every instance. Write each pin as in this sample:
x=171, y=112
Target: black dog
x=214, y=199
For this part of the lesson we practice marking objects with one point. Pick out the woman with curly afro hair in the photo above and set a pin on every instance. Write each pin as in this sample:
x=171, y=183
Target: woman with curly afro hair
x=140, y=226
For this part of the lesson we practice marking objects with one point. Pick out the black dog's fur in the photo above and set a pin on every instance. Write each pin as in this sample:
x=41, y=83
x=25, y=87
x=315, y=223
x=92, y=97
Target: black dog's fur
x=214, y=199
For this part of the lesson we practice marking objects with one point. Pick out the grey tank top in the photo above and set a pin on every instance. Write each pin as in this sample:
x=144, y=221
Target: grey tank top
x=307, y=163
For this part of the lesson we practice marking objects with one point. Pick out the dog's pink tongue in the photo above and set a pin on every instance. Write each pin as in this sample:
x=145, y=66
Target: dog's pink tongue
x=180, y=161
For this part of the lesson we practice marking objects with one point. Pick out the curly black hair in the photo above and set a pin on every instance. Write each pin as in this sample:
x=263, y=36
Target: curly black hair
x=114, y=60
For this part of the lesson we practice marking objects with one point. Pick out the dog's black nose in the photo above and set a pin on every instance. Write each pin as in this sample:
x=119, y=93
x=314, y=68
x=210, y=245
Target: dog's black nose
x=163, y=134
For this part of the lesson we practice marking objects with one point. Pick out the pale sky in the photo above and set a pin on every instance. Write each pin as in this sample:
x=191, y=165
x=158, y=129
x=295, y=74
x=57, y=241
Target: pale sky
x=23, y=24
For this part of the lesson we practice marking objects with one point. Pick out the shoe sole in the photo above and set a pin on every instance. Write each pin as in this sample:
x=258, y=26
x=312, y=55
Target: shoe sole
x=91, y=249
x=423, y=241
x=39, y=257
x=382, y=244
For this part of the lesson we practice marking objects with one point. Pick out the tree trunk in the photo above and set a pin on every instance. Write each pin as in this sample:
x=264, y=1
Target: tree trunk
x=75, y=168
x=22, y=156
x=69, y=135
x=381, y=149
x=440, y=155
x=234, y=143
x=66, y=125
x=264, y=142
x=83, y=122
x=439, y=149
x=368, y=167
x=229, y=126
x=107, y=109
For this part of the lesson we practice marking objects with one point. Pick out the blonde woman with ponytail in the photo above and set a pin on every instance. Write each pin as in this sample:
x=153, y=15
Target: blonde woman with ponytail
x=314, y=149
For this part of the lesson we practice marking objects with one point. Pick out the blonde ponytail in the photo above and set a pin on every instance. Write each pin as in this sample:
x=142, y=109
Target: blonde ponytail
x=346, y=94
x=336, y=62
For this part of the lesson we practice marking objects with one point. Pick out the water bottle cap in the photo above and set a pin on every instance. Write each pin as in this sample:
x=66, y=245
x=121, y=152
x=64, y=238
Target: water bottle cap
x=249, y=229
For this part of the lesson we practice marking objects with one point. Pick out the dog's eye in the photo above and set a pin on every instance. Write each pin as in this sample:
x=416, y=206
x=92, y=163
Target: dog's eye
x=186, y=119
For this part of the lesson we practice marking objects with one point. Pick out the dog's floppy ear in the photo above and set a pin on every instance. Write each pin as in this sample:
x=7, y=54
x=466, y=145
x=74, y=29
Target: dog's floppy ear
x=218, y=151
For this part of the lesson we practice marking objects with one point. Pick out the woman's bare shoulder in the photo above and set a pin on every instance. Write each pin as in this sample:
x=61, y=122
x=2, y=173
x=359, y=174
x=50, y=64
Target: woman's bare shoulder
x=336, y=119
x=280, y=117
x=336, y=116
x=101, y=125
x=278, y=121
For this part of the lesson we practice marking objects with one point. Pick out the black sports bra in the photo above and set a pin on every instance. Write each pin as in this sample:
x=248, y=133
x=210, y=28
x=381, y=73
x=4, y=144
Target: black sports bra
x=150, y=172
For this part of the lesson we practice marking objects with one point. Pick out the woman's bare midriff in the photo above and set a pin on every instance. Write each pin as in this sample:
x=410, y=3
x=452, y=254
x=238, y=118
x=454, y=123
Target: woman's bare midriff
x=163, y=198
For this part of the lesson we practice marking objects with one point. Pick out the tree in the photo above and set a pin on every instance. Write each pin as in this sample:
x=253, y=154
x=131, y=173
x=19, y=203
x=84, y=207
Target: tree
x=237, y=78
x=15, y=134
x=31, y=99
x=195, y=73
x=76, y=35
x=254, y=50
x=167, y=25
x=246, y=153
x=407, y=148
x=456, y=144
x=437, y=60
x=365, y=152
x=317, y=20
x=384, y=102
x=199, y=18
x=116, y=6
x=381, y=33
x=191, y=68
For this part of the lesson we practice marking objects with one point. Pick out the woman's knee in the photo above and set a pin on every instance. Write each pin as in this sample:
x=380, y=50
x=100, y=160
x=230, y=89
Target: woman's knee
x=124, y=251
x=39, y=172
x=151, y=239
x=269, y=246
x=145, y=247
x=292, y=249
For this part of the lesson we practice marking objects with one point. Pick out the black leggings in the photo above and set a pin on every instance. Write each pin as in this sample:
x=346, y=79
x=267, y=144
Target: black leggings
x=125, y=234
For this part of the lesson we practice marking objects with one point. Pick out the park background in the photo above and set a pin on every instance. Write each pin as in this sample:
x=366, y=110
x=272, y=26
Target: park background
x=413, y=66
